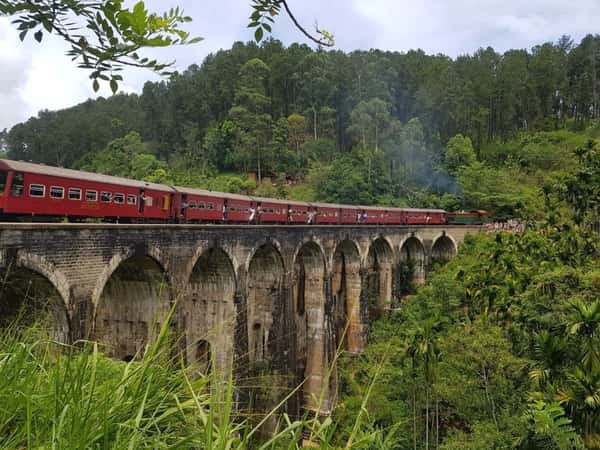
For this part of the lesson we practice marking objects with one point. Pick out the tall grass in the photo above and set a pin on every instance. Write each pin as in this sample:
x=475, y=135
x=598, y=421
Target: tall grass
x=54, y=396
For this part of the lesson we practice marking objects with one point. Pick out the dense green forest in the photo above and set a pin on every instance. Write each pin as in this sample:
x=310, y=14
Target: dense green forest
x=501, y=349
x=413, y=129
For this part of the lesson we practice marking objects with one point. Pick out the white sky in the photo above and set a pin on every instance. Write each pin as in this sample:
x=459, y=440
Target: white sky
x=35, y=77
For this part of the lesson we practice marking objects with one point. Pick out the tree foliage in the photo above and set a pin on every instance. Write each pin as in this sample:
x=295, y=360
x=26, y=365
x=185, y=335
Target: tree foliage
x=498, y=350
x=302, y=113
x=105, y=36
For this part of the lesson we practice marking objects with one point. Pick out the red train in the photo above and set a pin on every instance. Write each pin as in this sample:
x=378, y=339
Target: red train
x=38, y=192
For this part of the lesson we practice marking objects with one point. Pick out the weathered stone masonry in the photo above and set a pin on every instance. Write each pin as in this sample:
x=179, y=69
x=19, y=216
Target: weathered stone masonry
x=269, y=301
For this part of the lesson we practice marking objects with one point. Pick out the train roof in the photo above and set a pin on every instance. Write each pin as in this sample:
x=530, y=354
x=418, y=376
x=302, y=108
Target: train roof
x=42, y=169
x=207, y=193
x=332, y=205
x=278, y=201
x=422, y=210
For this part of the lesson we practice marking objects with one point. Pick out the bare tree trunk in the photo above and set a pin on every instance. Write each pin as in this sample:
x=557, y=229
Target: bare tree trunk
x=489, y=399
x=259, y=174
x=414, y=417
x=427, y=418
x=437, y=422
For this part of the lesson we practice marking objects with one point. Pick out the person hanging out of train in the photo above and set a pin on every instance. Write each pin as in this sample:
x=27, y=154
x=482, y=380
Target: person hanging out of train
x=311, y=217
x=252, y=214
x=224, y=211
x=142, y=201
x=362, y=216
x=259, y=212
x=184, y=206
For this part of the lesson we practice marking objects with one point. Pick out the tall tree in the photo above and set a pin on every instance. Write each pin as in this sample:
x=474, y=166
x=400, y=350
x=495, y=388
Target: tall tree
x=251, y=115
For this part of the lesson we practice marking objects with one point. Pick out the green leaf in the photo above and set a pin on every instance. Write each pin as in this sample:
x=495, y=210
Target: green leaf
x=38, y=35
x=96, y=85
x=114, y=86
x=22, y=34
x=258, y=34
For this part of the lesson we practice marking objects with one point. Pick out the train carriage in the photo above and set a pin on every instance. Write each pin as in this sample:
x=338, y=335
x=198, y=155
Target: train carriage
x=475, y=217
x=271, y=210
x=415, y=216
x=37, y=191
x=199, y=205
x=326, y=213
x=237, y=208
x=373, y=215
x=349, y=214
x=298, y=212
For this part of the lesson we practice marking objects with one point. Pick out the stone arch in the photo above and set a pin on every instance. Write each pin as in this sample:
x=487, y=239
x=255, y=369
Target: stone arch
x=346, y=292
x=42, y=266
x=311, y=328
x=412, y=254
x=201, y=249
x=269, y=243
x=34, y=292
x=131, y=305
x=116, y=261
x=313, y=244
x=443, y=248
x=208, y=311
x=377, y=293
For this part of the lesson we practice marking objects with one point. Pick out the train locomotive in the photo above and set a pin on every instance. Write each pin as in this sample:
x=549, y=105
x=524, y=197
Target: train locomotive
x=36, y=192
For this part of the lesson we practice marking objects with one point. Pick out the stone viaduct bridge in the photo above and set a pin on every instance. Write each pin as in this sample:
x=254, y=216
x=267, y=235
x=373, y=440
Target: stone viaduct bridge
x=267, y=301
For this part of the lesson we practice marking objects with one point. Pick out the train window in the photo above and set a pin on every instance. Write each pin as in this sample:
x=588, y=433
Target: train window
x=74, y=194
x=192, y=204
x=201, y=205
x=210, y=205
x=3, y=177
x=16, y=189
x=131, y=199
x=57, y=192
x=119, y=199
x=91, y=196
x=37, y=190
x=105, y=197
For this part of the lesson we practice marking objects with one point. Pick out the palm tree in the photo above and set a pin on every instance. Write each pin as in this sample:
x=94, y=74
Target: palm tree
x=582, y=398
x=549, y=352
x=585, y=324
x=424, y=351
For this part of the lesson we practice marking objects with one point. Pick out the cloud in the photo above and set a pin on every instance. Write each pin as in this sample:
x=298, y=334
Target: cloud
x=14, y=64
x=35, y=77
x=456, y=27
